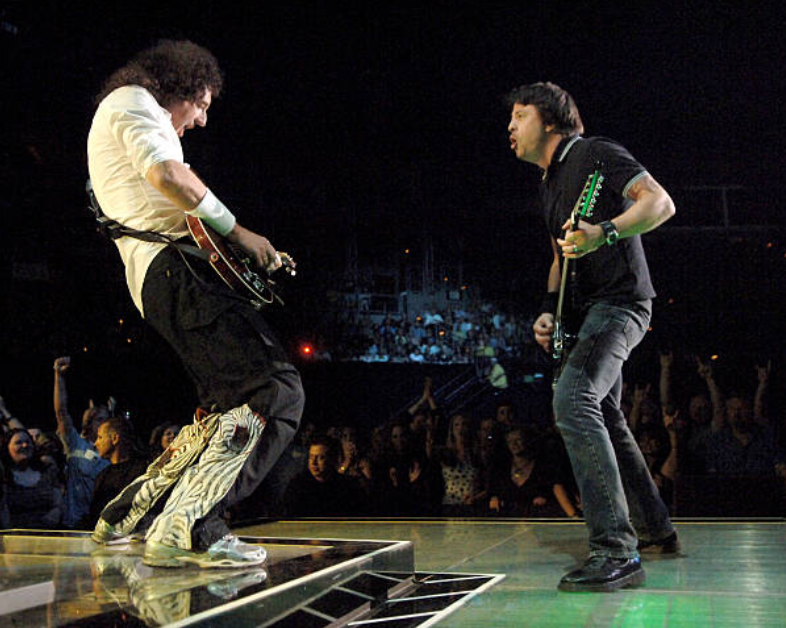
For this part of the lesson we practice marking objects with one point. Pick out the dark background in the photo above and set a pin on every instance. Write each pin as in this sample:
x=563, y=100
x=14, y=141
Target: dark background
x=386, y=125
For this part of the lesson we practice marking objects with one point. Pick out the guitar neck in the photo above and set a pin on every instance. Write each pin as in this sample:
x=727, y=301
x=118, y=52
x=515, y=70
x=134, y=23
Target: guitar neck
x=583, y=207
x=563, y=282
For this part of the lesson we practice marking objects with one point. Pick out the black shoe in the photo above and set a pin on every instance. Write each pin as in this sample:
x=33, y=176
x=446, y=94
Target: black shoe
x=669, y=545
x=601, y=573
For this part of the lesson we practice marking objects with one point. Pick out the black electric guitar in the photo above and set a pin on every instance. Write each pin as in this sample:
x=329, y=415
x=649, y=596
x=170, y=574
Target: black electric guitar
x=562, y=340
x=233, y=265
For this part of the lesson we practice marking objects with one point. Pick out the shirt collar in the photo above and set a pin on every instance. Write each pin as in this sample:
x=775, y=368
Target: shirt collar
x=566, y=143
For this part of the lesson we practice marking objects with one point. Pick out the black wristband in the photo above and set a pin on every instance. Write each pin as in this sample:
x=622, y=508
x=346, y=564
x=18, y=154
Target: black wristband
x=549, y=303
x=610, y=232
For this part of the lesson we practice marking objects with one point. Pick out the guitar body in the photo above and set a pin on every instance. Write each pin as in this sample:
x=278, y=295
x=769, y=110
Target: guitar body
x=563, y=339
x=562, y=342
x=233, y=266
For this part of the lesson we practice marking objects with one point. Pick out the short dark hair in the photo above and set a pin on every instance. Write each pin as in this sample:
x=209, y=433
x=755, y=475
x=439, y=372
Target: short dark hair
x=170, y=70
x=121, y=427
x=556, y=106
x=331, y=445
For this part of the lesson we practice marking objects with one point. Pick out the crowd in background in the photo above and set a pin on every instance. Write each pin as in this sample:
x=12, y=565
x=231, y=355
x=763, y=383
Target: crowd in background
x=441, y=334
x=429, y=461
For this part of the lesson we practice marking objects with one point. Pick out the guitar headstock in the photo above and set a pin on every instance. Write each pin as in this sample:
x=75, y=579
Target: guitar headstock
x=590, y=195
x=585, y=204
x=288, y=263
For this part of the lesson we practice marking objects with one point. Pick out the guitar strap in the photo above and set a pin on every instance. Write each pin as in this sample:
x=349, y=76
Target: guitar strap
x=115, y=230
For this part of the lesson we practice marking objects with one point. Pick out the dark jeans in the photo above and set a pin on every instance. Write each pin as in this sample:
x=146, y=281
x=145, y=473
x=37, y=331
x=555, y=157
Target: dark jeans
x=232, y=357
x=618, y=495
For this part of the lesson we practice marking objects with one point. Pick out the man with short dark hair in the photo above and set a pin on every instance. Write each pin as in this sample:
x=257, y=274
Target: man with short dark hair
x=115, y=444
x=613, y=306
x=320, y=490
x=141, y=180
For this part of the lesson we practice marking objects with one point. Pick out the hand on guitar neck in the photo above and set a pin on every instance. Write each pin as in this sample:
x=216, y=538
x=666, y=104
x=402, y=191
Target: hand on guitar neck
x=580, y=240
x=258, y=248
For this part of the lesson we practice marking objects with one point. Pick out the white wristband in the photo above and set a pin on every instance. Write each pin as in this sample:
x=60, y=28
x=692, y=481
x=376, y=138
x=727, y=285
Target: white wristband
x=214, y=213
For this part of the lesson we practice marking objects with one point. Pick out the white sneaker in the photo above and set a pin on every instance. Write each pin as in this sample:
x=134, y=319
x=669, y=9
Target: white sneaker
x=106, y=534
x=230, y=551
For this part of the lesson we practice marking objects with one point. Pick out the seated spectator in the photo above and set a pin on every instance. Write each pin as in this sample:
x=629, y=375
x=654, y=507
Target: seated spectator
x=416, y=355
x=460, y=473
x=415, y=488
x=505, y=415
x=528, y=485
x=321, y=491
x=743, y=447
x=659, y=447
x=352, y=461
x=496, y=375
x=268, y=499
x=33, y=495
x=161, y=438
x=115, y=442
x=490, y=452
x=50, y=451
x=83, y=464
x=432, y=317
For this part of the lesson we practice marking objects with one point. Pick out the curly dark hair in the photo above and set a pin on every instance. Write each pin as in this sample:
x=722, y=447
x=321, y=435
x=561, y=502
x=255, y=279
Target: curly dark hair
x=170, y=70
x=556, y=106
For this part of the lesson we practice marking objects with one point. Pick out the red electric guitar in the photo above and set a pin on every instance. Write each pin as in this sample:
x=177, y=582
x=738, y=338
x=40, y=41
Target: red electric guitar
x=233, y=265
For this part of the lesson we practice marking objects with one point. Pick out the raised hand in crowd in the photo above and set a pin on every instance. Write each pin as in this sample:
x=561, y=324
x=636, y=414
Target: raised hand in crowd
x=7, y=420
x=666, y=378
x=759, y=406
x=669, y=468
x=705, y=372
x=641, y=395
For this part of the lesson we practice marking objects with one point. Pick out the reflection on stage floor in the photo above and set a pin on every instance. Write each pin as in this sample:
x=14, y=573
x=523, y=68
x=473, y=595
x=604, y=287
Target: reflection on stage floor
x=64, y=579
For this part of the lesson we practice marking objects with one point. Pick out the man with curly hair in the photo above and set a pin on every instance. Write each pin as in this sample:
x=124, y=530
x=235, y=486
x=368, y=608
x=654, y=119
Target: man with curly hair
x=241, y=372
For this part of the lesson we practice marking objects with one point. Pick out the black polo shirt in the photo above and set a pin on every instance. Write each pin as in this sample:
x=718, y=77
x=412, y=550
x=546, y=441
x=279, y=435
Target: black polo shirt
x=611, y=274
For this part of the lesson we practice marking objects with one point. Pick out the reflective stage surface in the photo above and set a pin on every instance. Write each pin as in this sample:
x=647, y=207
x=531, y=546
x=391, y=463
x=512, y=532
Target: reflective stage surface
x=729, y=574
x=64, y=579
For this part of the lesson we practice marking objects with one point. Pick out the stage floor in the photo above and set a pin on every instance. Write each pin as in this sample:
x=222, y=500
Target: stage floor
x=730, y=573
x=490, y=573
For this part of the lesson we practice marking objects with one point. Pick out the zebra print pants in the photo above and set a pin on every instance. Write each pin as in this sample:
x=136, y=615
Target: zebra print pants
x=204, y=462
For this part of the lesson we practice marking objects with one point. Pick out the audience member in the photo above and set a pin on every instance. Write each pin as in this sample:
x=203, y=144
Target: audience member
x=460, y=475
x=161, y=438
x=83, y=464
x=321, y=491
x=705, y=414
x=505, y=415
x=33, y=495
x=415, y=488
x=528, y=485
x=115, y=442
x=743, y=447
x=350, y=457
x=658, y=444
